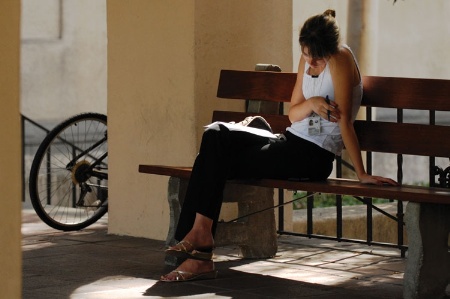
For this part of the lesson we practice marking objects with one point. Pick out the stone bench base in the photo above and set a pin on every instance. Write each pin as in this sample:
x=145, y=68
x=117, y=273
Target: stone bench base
x=428, y=267
x=255, y=235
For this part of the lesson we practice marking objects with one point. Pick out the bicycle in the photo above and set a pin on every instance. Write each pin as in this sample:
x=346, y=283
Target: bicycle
x=69, y=174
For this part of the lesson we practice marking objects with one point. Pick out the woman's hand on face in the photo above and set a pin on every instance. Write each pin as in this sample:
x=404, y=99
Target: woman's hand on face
x=324, y=109
x=376, y=180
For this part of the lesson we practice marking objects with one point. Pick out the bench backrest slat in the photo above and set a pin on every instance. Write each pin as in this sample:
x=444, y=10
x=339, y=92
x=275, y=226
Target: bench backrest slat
x=268, y=86
x=385, y=92
x=409, y=139
x=407, y=93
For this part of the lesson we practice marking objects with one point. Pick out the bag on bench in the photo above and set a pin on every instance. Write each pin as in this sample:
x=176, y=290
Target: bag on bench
x=256, y=122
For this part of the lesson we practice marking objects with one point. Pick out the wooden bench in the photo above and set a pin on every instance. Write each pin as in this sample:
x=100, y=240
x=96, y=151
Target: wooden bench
x=428, y=209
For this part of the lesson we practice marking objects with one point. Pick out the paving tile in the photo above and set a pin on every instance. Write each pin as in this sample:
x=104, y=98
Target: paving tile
x=397, y=265
x=94, y=264
x=363, y=259
x=237, y=295
x=370, y=287
x=242, y=281
x=339, y=266
x=174, y=290
x=43, y=294
x=372, y=270
x=292, y=291
x=324, y=258
x=111, y=294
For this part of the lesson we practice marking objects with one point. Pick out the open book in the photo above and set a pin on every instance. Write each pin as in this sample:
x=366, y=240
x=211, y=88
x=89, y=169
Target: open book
x=239, y=127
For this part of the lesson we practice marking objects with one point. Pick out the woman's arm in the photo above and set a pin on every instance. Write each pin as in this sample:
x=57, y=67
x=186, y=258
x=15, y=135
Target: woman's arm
x=342, y=67
x=301, y=108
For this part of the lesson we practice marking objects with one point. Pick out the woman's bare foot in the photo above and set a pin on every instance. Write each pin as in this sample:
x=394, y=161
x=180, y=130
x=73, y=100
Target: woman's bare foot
x=190, y=270
x=200, y=238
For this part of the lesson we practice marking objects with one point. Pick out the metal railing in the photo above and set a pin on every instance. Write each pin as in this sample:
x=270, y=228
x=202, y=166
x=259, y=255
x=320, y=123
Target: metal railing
x=443, y=179
x=29, y=145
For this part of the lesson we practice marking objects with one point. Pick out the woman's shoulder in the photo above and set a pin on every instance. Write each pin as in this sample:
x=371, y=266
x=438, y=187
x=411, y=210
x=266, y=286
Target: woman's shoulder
x=343, y=56
x=342, y=61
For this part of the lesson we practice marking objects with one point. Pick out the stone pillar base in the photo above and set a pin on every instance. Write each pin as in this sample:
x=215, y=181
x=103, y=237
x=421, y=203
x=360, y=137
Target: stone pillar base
x=428, y=263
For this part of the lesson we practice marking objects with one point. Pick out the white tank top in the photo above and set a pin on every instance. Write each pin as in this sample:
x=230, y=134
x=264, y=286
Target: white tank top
x=330, y=136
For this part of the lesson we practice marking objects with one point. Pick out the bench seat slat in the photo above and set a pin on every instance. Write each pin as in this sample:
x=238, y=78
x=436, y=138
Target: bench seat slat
x=355, y=188
x=334, y=186
x=175, y=171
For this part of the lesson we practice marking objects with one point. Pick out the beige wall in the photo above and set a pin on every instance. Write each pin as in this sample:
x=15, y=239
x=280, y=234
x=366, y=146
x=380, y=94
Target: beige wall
x=408, y=39
x=164, y=60
x=10, y=152
x=63, y=69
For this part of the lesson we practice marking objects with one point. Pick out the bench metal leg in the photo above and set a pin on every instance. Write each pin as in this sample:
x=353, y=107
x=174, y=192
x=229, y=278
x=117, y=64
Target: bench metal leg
x=255, y=235
x=428, y=264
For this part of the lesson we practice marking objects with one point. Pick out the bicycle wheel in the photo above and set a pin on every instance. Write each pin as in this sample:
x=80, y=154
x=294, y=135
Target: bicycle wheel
x=69, y=173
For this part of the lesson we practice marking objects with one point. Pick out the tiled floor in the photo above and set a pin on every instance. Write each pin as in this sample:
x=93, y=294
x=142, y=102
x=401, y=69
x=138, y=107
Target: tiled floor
x=93, y=264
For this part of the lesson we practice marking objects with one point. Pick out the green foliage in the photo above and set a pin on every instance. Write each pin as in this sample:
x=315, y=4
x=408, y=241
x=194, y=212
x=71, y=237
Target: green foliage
x=322, y=200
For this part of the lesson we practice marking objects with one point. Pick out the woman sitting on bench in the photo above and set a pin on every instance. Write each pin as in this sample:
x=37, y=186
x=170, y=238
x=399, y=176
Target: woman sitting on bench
x=324, y=104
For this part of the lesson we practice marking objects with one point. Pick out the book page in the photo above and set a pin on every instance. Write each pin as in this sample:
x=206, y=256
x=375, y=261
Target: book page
x=236, y=127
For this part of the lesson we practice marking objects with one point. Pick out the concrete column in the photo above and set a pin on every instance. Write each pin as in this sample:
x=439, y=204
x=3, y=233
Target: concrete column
x=164, y=60
x=10, y=151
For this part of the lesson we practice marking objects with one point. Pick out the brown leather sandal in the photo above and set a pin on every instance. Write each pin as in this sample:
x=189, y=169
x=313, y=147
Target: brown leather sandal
x=185, y=249
x=188, y=276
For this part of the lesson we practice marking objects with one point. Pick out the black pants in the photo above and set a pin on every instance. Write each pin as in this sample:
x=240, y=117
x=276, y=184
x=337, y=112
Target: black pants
x=226, y=154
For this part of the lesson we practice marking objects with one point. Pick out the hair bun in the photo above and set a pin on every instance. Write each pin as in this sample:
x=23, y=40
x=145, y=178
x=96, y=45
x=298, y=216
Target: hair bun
x=330, y=12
